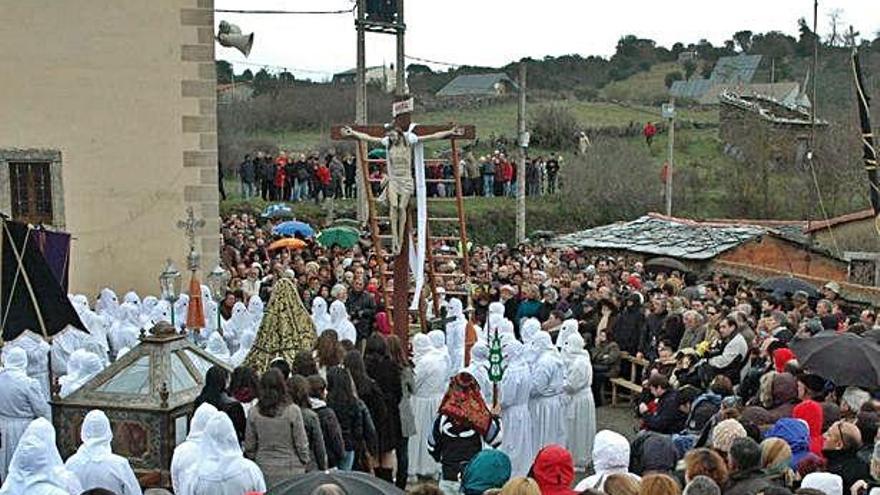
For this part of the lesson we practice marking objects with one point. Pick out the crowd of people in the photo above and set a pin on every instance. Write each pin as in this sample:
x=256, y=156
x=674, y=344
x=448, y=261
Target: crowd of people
x=725, y=407
x=290, y=177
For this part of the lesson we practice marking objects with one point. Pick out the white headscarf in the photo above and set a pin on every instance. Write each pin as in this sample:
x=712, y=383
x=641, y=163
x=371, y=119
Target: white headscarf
x=217, y=347
x=479, y=368
x=107, y=303
x=131, y=297
x=567, y=328
x=181, y=308
x=339, y=319
x=543, y=345
x=87, y=366
x=190, y=451
x=221, y=457
x=127, y=329
x=573, y=347
x=95, y=464
x=454, y=309
x=146, y=314
x=246, y=343
x=421, y=345
x=255, y=311
x=15, y=361
x=238, y=323
x=320, y=316
x=36, y=466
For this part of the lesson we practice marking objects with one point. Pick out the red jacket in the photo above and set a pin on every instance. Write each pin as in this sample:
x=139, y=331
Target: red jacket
x=554, y=471
x=811, y=412
x=506, y=171
x=279, y=174
x=323, y=175
x=649, y=130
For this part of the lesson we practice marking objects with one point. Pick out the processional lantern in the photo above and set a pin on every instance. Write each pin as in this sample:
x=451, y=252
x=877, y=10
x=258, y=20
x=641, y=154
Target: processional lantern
x=148, y=396
x=169, y=284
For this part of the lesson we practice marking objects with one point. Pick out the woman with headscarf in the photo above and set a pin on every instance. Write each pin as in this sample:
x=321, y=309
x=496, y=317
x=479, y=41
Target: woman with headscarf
x=811, y=412
x=546, y=403
x=187, y=454
x=255, y=309
x=339, y=321
x=455, y=333
x=516, y=385
x=87, y=366
x=529, y=330
x=126, y=330
x=320, y=316
x=462, y=424
x=221, y=468
x=430, y=374
x=438, y=340
x=245, y=344
x=479, y=369
x=36, y=467
x=580, y=409
x=37, y=358
x=95, y=464
x=21, y=402
x=107, y=303
x=217, y=348
x=215, y=393
x=238, y=323
x=776, y=459
x=610, y=456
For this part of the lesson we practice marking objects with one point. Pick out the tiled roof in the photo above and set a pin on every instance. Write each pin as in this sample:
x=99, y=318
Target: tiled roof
x=740, y=68
x=664, y=236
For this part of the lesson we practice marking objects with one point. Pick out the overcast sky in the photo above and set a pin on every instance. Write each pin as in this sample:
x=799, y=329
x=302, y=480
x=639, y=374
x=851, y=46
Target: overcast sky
x=495, y=32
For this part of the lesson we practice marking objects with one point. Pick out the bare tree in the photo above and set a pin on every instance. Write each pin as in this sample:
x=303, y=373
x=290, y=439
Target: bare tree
x=835, y=23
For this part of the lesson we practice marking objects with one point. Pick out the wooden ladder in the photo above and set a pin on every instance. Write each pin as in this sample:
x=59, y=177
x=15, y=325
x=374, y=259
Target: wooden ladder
x=379, y=240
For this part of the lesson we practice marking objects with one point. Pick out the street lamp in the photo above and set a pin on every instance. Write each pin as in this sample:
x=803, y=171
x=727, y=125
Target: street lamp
x=169, y=282
x=217, y=280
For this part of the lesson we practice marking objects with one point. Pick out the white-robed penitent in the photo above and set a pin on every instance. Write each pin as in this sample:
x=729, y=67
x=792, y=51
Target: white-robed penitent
x=217, y=348
x=21, y=401
x=546, y=405
x=567, y=328
x=528, y=331
x=479, y=369
x=455, y=333
x=95, y=464
x=610, y=456
x=255, y=312
x=108, y=303
x=244, y=348
x=83, y=366
x=36, y=467
x=430, y=374
x=221, y=468
x=339, y=321
x=516, y=385
x=320, y=316
x=187, y=453
x=438, y=341
x=126, y=330
x=580, y=408
x=37, y=358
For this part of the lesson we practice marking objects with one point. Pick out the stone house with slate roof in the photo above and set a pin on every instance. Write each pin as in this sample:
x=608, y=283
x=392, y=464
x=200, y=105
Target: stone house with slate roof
x=710, y=245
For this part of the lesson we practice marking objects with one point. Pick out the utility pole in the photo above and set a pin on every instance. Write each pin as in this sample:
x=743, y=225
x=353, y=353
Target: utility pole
x=400, y=82
x=523, y=140
x=360, y=101
x=669, y=113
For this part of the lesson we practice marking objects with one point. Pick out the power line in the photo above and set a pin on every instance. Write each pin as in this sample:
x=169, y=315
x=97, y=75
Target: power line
x=282, y=67
x=419, y=59
x=293, y=12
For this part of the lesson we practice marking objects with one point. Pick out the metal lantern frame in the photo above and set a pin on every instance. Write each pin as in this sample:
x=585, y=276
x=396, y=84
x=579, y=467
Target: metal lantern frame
x=169, y=283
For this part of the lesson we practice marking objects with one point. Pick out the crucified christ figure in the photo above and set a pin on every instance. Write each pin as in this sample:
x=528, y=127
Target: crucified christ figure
x=400, y=179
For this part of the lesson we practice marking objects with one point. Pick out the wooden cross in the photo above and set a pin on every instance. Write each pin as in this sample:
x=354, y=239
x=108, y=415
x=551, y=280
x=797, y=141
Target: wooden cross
x=400, y=296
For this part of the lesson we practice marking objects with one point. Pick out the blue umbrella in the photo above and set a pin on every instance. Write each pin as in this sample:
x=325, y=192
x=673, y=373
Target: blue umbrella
x=294, y=228
x=278, y=210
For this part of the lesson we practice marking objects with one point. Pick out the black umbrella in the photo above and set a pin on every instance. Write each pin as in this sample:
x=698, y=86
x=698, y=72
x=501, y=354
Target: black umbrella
x=845, y=359
x=666, y=264
x=351, y=482
x=782, y=286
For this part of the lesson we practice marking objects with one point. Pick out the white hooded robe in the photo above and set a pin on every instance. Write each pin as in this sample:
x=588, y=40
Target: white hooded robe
x=455, y=333
x=95, y=464
x=430, y=374
x=21, y=402
x=186, y=454
x=580, y=408
x=221, y=468
x=547, y=396
x=610, y=456
x=340, y=322
x=320, y=316
x=515, y=417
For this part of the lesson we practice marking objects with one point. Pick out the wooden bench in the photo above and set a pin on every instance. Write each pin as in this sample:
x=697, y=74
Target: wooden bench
x=633, y=385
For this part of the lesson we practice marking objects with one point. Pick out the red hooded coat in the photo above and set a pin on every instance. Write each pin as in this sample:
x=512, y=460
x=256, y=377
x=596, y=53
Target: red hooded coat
x=554, y=471
x=811, y=412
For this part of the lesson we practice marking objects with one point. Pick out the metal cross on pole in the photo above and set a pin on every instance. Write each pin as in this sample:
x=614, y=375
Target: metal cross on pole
x=190, y=226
